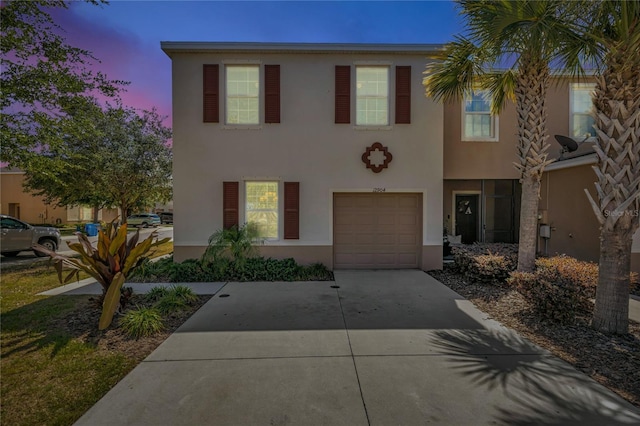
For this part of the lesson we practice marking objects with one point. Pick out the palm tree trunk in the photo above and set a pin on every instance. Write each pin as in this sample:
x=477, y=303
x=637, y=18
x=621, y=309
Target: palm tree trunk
x=528, y=223
x=616, y=102
x=531, y=90
x=611, y=313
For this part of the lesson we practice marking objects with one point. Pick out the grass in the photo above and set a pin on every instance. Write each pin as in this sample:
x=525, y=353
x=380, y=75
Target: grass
x=49, y=376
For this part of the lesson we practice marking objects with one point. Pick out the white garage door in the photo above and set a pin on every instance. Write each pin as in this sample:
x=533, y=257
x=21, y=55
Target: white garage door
x=377, y=230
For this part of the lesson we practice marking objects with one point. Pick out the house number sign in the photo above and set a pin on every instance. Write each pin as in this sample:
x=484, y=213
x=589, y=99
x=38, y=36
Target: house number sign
x=377, y=157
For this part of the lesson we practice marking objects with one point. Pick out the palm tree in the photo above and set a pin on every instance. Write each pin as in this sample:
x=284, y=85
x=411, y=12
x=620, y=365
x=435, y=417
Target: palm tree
x=615, y=27
x=523, y=38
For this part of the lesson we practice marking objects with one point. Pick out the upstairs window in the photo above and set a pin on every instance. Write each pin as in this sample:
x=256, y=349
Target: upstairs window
x=262, y=207
x=581, y=121
x=243, y=94
x=372, y=96
x=477, y=122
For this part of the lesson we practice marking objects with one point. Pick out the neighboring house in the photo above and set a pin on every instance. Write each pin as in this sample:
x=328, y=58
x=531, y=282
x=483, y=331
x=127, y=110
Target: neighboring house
x=17, y=202
x=275, y=133
x=481, y=189
x=332, y=149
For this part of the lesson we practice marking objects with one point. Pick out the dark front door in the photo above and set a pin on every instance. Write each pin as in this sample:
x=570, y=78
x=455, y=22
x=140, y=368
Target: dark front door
x=467, y=218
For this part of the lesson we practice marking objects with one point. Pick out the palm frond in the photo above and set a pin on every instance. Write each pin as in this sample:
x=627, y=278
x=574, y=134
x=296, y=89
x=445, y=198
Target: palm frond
x=455, y=71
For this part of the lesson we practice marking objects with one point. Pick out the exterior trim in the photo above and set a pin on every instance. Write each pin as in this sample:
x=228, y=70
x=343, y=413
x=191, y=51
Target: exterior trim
x=343, y=94
x=403, y=95
x=170, y=47
x=230, y=204
x=272, y=93
x=572, y=162
x=291, y=210
x=211, y=93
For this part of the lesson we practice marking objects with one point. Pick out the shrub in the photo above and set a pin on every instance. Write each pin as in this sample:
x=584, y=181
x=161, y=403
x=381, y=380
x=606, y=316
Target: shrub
x=110, y=262
x=226, y=269
x=581, y=273
x=488, y=263
x=156, y=293
x=553, y=295
x=182, y=292
x=141, y=322
x=171, y=303
x=235, y=243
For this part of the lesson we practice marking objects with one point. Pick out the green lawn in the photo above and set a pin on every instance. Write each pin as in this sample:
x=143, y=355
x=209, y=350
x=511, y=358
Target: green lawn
x=49, y=376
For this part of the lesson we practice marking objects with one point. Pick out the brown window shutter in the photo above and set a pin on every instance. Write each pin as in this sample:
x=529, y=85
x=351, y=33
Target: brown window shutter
x=343, y=94
x=291, y=210
x=230, y=201
x=272, y=93
x=403, y=95
x=210, y=90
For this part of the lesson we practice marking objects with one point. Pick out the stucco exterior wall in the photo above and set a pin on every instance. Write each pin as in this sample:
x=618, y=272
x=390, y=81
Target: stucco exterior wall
x=306, y=147
x=494, y=160
x=564, y=206
x=32, y=208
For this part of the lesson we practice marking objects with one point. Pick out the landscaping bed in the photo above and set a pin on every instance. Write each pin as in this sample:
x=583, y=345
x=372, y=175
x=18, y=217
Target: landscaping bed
x=613, y=361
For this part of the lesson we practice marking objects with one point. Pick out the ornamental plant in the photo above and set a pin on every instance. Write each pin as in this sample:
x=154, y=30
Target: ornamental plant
x=110, y=262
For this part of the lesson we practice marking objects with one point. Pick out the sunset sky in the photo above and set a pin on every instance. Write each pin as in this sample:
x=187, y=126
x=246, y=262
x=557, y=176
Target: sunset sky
x=125, y=35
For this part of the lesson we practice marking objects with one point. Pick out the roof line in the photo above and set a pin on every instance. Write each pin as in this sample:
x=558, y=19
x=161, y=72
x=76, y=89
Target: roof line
x=205, y=46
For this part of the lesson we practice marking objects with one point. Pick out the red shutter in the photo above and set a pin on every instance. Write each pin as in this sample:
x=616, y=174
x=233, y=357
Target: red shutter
x=211, y=81
x=291, y=210
x=230, y=201
x=272, y=93
x=343, y=94
x=403, y=95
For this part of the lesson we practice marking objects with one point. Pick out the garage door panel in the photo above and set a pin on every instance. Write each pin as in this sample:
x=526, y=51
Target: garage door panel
x=377, y=230
x=408, y=201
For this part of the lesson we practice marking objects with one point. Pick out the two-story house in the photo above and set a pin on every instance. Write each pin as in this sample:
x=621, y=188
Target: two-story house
x=338, y=156
x=332, y=149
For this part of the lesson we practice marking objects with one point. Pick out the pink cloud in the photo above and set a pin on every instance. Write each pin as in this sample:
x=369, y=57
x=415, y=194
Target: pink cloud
x=123, y=56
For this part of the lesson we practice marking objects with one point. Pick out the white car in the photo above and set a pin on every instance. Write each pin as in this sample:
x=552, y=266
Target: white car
x=144, y=220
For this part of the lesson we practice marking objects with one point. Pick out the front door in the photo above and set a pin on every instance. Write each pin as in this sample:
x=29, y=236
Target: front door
x=467, y=218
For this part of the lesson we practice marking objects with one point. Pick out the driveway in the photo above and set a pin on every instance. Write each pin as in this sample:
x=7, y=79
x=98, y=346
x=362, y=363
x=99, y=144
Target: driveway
x=383, y=348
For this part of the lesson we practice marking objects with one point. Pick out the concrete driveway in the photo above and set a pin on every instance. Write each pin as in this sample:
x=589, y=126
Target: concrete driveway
x=383, y=348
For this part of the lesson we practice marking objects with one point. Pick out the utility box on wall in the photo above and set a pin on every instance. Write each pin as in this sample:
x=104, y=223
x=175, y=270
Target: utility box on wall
x=545, y=231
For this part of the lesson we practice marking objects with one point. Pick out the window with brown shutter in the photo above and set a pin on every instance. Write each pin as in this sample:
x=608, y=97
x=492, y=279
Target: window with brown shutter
x=291, y=210
x=272, y=93
x=230, y=201
x=210, y=84
x=403, y=95
x=343, y=94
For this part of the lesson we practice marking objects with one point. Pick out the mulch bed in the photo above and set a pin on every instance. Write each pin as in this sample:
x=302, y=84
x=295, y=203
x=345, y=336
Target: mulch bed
x=82, y=323
x=613, y=361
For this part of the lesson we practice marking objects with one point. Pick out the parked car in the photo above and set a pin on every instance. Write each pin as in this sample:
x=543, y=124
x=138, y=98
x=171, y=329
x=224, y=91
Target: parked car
x=17, y=236
x=166, y=217
x=144, y=220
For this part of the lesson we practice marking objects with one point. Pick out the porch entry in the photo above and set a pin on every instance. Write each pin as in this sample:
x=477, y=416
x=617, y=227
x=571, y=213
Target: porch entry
x=467, y=217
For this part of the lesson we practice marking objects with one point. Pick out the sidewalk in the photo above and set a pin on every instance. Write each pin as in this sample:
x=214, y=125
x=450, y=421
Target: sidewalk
x=375, y=347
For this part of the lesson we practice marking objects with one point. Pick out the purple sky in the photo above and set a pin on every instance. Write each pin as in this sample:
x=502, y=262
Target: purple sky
x=125, y=35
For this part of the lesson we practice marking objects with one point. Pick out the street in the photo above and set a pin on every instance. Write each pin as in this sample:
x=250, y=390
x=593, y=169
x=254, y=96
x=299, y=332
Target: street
x=27, y=257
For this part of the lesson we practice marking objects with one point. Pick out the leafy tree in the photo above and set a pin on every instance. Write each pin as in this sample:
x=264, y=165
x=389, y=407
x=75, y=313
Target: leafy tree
x=42, y=78
x=615, y=27
x=530, y=35
x=121, y=158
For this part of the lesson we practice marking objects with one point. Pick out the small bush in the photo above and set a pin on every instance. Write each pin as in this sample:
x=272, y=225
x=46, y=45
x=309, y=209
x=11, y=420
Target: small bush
x=225, y=269
x=141, y=322
x=182, y=292
x=553, y=295
x=488, y=263
x=156, y=293
x=171, y=303
x=581, y=273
